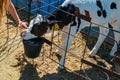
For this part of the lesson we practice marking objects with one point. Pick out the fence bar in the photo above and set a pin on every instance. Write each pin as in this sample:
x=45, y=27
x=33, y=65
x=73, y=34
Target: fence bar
x=29, y=9
x=109, y=72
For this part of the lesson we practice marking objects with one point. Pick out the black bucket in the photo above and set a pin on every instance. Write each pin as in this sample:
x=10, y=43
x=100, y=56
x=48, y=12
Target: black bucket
x=32, y=47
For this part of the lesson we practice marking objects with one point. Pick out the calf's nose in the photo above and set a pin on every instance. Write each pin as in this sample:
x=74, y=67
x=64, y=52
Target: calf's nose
x=22, y=34
x=26, y=35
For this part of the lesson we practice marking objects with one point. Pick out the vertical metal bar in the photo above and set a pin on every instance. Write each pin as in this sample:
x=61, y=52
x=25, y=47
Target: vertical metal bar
x=85, y=46
x=58, y=3
x=51, y=48
x=61, y=1
x=49, y=5
x=16, y=2
x=42, y=7
x=29, y=10
x=66, y=49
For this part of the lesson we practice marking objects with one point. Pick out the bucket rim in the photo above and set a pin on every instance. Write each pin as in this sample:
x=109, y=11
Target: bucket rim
x=40, y=43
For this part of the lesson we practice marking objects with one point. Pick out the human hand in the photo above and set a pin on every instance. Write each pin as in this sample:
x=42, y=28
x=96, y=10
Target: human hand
x=22, y=24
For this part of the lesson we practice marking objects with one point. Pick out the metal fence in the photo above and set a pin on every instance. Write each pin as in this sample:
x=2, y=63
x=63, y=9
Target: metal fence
x=11, y=43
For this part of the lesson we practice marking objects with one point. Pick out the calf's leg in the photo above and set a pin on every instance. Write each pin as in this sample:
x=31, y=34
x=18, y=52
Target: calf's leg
x=117, y=38
x=103, y=33
x=66, y=46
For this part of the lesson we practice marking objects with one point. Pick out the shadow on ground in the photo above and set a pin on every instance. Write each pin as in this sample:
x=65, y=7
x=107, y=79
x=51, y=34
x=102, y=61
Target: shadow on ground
x=29, y=72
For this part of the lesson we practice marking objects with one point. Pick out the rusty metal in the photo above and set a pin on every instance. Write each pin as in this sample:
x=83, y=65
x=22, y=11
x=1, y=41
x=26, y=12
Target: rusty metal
x=85, y=17
x=109, y=72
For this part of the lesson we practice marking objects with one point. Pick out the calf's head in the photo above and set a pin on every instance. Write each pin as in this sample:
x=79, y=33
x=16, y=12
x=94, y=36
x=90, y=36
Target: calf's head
x=40, y=25
x=39, y=29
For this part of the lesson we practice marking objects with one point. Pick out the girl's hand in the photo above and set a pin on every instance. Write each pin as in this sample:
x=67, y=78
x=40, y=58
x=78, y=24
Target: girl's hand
x=23, y=24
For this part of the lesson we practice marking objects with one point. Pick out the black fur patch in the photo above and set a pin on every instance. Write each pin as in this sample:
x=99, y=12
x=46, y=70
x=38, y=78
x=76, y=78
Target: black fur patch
x=110, y=26
x=113, y=5
x=99, y=13
x=104, y=13
x=79, y=22
x=99, y=4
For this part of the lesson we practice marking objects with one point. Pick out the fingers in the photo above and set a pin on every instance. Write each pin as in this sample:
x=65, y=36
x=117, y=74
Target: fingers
x=23, y=25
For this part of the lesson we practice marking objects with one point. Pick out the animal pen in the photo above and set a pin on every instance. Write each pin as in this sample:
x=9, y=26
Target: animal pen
x=78, y=66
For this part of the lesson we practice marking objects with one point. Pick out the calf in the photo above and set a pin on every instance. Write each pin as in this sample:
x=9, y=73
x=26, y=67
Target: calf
x=75, y=15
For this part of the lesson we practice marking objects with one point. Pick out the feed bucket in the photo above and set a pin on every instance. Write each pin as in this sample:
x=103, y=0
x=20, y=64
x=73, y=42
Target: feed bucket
x=32, y=47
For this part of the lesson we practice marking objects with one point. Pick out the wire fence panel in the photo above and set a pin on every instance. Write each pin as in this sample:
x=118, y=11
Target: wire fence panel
x=78, y=65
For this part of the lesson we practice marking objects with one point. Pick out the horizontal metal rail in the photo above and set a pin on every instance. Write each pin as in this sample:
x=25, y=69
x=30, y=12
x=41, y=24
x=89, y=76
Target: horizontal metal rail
x=109, y=72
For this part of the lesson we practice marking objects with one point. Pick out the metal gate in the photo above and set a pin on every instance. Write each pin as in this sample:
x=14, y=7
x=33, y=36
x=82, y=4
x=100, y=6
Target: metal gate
x=78, y=65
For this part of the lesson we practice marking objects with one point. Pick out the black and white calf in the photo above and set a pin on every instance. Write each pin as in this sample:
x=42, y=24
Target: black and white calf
x=100, y=12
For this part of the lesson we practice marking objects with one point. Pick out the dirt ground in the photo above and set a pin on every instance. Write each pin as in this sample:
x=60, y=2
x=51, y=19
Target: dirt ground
x=15, y=66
